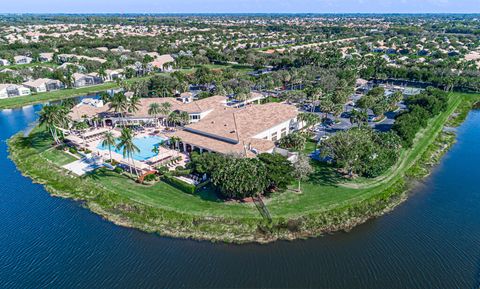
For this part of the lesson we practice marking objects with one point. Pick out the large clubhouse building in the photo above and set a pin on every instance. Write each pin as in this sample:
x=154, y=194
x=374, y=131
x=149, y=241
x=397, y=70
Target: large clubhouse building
x=214, y=125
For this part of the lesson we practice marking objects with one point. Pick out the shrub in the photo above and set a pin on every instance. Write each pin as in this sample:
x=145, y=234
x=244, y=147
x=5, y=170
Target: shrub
x=181, y=171
x=118, y=170
x=162, y=170
x=294, y=141
x=421, y=108
x=150, y=178
x=181, y=185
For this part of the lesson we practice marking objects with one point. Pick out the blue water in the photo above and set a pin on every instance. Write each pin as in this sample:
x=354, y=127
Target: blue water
x=145, y=145
x=431, y=241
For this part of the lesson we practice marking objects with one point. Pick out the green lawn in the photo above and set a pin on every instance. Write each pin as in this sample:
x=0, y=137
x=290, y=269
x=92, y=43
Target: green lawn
x=162, y=195
x=58, y=157
x=325, y=190
x=328, y=200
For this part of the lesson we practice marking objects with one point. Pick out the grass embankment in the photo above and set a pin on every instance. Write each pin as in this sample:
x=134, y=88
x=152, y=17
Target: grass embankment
x=328, y=202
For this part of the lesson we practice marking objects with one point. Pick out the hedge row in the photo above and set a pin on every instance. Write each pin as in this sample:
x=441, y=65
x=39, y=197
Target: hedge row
x=181, y=185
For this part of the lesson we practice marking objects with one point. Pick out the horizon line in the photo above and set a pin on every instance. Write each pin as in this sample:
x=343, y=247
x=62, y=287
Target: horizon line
x=253, y=13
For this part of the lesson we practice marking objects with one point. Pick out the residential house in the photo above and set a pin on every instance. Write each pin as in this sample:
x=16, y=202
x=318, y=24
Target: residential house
x=12, y=90
x=73, y=58
x=3, y=90
x=185, y=97
x=112, y=75
x=37, y=85
x=54, y=84
x=46, y=57
x=163, y=62
x=82, y=80
x=22, y=59
x=44, y=84
x=103, y=49
x=4, y=62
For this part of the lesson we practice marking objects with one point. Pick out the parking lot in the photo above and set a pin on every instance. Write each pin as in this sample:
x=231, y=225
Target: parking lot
x=343, y=122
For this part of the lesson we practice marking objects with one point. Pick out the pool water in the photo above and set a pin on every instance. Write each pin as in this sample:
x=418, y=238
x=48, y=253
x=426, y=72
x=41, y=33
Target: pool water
x=145, y=145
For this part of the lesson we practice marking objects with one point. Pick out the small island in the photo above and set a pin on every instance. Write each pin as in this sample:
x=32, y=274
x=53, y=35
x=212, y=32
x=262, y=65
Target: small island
x=235, y=170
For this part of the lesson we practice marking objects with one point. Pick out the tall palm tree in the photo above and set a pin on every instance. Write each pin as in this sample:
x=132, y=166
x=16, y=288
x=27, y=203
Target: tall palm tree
x=69, y=81
x=133, y=104
x=102, y=73
x=96, y=120
x=127, y=147
x=109, y=141
x=154, y=109
x=174, y=140
x=118, y=103
x=174, y=118
x=166, y=110
x=360, y=117
x=184, y=118
x=105, y=97
x=53, y=117
x=82, y=126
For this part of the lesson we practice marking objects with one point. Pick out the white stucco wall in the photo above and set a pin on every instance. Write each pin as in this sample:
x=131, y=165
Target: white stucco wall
x=278, y=128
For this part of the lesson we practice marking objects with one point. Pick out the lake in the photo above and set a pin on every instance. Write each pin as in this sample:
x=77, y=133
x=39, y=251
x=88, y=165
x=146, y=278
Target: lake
x=430, y=241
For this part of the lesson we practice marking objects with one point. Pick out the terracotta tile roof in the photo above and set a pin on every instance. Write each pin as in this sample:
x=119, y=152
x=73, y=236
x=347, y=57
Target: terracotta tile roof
x=80, y=110
x=244, y=148
x=206, y=104
x=240, y=124
x=161, y=60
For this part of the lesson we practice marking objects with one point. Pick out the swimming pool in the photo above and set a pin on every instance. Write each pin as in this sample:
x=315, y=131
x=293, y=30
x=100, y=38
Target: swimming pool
x=145, y=145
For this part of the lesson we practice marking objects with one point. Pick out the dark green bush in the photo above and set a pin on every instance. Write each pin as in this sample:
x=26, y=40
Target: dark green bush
x=187, y=188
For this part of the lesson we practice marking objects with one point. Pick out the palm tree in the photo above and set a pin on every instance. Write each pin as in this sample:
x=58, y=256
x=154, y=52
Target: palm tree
x=174, y=140
x=69, y=81
x=102, y=73
x=174, y=118
x=128, y=147
x=154, y=109
x=184, y=118
x=359, y=117
x=96, y=120
x=109, y=141
x=119, y=103
x=105, y=97
x=82, y=126
x=243, y=97
x=133, y=104
x=54, y=116
x=309, y=119
x=166, y=110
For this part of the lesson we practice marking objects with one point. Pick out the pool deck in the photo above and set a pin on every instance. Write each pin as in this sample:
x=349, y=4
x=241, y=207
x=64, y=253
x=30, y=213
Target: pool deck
x=164, y=154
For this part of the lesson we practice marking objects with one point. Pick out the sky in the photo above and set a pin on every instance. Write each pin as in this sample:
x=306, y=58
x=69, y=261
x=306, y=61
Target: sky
x=239, y=6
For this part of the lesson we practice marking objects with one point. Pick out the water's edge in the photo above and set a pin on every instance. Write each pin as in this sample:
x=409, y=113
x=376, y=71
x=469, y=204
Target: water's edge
x=312, y=225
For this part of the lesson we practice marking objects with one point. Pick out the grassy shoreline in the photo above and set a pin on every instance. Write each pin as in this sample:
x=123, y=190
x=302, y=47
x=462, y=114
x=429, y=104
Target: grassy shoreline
x=323, y=207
